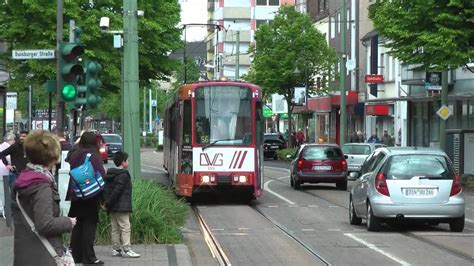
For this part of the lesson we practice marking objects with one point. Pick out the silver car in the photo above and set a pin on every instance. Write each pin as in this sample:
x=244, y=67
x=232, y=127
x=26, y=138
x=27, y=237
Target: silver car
x=407, y=183
x=357, y=153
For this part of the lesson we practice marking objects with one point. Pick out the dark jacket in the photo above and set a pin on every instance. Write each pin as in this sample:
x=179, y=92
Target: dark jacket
x=84, y=207
x=17, y=156
x=118, y=190
x=40, y=199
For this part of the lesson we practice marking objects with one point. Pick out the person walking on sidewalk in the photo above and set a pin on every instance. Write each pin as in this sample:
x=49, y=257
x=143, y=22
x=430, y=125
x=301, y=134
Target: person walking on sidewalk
x=38, y=195
x=86, y=210
x=8, y=140
x=17, y=157
x=118, y=202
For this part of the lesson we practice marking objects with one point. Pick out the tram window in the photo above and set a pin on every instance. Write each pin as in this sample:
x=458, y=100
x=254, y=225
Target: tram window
x=187, y=122
x=259, y=121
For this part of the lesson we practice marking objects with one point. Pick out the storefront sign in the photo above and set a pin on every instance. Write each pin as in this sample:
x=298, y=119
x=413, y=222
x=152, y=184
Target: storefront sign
x=373, y=78
x=377, y=109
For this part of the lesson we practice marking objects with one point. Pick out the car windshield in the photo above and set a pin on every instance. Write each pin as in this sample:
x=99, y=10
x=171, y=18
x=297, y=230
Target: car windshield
x=423, y=165
x=112, y=138
x=322, y=153
x=272, y=137
x=356, y=149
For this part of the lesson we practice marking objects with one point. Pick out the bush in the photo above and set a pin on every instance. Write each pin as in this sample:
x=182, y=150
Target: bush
x=283, y=153
x=149, y=141
x=157, y=216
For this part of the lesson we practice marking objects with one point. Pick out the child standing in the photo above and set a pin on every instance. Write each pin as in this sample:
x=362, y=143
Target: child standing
x=118, y=202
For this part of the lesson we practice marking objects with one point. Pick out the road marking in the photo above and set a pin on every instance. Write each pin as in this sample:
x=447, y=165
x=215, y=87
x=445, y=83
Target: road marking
x=267, y=189
x=373, y=247
x=218, y=229
x=278, y=168
x=313, y=206
x=468, y=220
x=244, y=228
x=307, y=229
x=283, y=177
x=333, y=206
x=442, y=234
x=272, y=206
x=334, y=230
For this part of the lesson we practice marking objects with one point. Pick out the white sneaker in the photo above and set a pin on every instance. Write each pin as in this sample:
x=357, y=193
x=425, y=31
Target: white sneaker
x=130, y=254
x=116, y=253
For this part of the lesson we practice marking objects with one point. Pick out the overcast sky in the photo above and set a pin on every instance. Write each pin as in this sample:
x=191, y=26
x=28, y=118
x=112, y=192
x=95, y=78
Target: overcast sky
x=194, y=11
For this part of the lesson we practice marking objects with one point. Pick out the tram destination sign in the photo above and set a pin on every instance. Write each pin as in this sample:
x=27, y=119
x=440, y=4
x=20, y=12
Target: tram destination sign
x=33, y=54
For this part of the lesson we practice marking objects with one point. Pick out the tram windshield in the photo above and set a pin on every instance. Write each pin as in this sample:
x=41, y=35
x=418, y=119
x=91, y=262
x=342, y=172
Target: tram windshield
x=223, y=115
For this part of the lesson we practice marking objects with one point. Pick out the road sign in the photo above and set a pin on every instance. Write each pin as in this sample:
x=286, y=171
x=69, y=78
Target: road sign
x=444, y=112
x=350, y=64
x=372, y=78
x=33, y=54
x=11, y=100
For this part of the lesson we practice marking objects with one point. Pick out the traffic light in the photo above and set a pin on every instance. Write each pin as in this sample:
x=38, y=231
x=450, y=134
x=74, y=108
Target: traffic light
x=71, y=69
x=93, y=84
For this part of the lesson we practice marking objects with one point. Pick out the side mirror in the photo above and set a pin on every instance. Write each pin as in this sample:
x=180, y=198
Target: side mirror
x=353, y=175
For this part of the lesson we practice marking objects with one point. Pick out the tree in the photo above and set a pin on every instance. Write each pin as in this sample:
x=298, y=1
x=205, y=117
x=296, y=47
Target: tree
x=290, y=42
x=438, y=34
x=158, y=36
x=192, y=73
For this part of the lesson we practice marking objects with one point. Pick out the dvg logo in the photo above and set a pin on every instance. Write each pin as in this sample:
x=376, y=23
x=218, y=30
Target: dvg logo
x=204, y=159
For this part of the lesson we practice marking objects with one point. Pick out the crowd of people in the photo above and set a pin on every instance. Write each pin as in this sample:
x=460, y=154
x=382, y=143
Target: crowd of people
x=30, y=162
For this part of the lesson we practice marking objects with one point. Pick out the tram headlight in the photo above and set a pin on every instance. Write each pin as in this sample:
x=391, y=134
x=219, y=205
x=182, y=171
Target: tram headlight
x=205, y=179
x=243, y=179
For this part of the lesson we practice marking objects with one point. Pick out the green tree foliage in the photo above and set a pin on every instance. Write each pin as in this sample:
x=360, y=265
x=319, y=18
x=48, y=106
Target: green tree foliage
x=438, y=34
x=31, y=24
x=192, y=73
x=290, y=42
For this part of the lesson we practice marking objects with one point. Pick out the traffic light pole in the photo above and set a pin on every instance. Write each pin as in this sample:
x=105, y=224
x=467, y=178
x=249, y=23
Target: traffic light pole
x=131, y=112
x=59, y=39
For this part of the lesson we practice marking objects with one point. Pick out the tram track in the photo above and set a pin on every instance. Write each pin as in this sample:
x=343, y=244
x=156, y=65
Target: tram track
x=214, y=246
x=434, y=244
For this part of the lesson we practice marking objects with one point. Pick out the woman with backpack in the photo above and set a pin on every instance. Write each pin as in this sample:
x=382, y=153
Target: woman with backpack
x=85, y=210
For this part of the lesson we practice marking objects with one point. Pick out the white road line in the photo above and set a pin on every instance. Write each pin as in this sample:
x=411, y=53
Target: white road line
x=267, y=189
x=468, y=220
x=307, y=230
x=283, y=177
x=373, y=247
x=278, y=168
x=442, y=234
x=334, y=230
x=313, y=206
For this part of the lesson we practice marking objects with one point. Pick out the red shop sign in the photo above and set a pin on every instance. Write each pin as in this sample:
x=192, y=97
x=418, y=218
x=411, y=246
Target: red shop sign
x=373, y=78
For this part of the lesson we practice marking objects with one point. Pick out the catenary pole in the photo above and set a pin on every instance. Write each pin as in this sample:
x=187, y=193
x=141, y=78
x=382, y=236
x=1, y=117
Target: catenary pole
x=59, y=39
x=343, y=115
x=131, y=95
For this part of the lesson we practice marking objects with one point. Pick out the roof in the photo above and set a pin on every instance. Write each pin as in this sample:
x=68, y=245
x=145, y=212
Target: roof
x=414, y=150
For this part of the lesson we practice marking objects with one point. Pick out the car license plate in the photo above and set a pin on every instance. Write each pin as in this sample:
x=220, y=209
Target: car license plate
x=274, y=147
x=322, y=167
x=419, y=192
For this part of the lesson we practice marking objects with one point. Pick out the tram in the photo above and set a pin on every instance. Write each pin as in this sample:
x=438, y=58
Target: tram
x=213, y=134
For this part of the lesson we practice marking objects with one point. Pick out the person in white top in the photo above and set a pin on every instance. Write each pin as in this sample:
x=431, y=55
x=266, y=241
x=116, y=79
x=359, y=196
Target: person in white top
x=8, y=140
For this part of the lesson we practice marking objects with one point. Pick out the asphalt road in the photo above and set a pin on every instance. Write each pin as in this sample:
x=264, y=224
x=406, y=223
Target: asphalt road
x=311, y=227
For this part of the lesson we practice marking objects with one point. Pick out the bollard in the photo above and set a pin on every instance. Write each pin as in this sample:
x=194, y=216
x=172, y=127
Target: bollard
x=7, y=203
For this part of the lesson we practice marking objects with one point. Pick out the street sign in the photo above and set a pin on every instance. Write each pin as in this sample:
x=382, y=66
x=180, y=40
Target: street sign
x=372, y=78
x=444, y=112
x=11, y=100
x=350, y=64
x=33, y=54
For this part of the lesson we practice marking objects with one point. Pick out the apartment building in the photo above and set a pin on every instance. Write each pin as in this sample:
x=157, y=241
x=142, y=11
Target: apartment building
x=229, y=43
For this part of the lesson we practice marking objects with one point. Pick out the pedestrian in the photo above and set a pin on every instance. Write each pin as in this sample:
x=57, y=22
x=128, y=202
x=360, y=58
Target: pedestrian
x=354, y=138
x=38, y=195
x=118, y=202
x=387, y=139
x=360, y=137
x=373, y=139
x=8, y=140
x=17, y=157
x=300, y=137
x=86, y=210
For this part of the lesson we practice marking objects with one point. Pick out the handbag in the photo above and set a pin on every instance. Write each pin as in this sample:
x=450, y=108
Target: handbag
x=66, y=259
x=87, y=181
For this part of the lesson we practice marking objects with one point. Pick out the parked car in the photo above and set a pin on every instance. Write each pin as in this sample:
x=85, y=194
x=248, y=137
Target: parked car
x=319, y=163
x=114, y=143
x=357, y=153
x=272, y=143
x=407, y=183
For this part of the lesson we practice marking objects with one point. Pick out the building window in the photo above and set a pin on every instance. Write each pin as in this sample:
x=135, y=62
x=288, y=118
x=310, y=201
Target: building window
x=333, y=27
x=338, y=22
x=263, y=21
x=268, y=2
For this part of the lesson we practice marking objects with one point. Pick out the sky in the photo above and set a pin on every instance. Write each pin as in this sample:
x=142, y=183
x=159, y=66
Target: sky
x=194, y=11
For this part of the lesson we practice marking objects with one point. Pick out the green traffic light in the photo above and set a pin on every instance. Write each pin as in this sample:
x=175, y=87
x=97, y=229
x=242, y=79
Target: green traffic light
x=68, y=92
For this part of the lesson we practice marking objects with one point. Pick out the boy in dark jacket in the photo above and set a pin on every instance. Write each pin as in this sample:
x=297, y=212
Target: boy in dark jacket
x=118, y=202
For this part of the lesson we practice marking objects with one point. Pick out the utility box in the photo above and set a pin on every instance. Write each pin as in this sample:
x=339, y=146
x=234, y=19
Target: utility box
x=460, y=149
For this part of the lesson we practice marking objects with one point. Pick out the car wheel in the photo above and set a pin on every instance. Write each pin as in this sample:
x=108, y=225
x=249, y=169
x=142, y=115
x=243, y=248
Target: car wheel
x=297, y=184
x=457, y=225
x=342, y=185
x=373, y=223
x=353, y=219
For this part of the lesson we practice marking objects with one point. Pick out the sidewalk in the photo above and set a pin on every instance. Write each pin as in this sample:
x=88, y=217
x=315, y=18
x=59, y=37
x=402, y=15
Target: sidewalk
x=150, y=254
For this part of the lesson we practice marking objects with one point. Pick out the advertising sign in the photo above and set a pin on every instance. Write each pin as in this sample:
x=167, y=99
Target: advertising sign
x=373, y=79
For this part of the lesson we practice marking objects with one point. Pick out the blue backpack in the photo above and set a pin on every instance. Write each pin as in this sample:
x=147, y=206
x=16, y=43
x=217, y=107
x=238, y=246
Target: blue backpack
x=87, y=182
